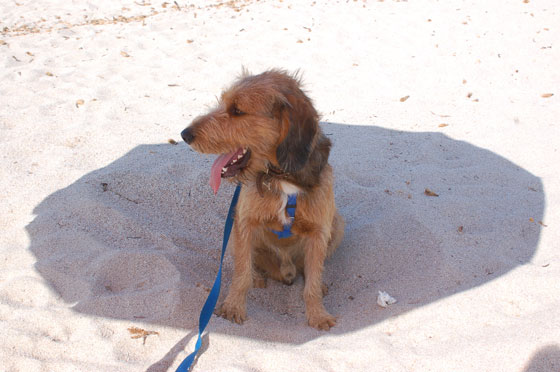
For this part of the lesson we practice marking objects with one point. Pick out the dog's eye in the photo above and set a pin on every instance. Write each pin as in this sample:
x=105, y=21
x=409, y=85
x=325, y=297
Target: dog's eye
x=236, y=112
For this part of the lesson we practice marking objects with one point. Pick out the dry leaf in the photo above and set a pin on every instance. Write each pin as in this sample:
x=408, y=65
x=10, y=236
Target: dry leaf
x=547, y=95
x=172, y=141
x=30, y=54
x=531, y=219
x=464, y=81
x=460, y=229
x=124, y=54
x=299, y=41
x=48, y=73
x=190, y=41
x=429, y=192
x=136, y=331
x=441, y=116
x=469, y=95
x=542, y=224
x=404, y=98
x=141, y=333
x=79, y=102
x=2, y=42
x=443, y=125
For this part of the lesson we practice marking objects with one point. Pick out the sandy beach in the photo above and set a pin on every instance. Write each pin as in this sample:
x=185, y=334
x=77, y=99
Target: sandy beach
x=444, y=118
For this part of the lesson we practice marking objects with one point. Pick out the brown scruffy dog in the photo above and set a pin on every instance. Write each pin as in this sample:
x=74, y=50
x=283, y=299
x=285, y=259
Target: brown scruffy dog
x=268, y=135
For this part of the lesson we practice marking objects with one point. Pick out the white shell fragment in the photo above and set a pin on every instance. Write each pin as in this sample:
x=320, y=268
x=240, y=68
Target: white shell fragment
x=384, y=299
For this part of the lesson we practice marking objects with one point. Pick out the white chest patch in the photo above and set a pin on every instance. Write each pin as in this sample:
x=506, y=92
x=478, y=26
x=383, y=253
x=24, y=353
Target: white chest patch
x=287, y=189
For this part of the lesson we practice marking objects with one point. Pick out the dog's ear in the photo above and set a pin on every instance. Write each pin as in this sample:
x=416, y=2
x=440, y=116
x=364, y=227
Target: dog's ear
x=300, y=124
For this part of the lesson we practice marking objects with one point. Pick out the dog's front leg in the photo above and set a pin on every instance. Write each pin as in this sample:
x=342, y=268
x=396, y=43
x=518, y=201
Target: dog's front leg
x=315, y=255
x=234, y=307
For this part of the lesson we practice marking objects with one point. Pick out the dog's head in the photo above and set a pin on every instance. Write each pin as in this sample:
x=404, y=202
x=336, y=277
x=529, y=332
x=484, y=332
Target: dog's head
x=262, y=121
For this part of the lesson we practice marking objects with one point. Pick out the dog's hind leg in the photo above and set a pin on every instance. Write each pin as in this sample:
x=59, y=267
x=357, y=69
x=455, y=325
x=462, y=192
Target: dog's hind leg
x=259, y=279
x=288, y=270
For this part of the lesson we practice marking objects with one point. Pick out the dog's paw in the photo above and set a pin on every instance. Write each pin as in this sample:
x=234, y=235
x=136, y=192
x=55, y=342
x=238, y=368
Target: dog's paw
x=288, y=272
x=232, y=312
x=322, y=322
x=289, y=280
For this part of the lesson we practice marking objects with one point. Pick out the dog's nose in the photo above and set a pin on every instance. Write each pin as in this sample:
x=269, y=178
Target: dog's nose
x=187, y=135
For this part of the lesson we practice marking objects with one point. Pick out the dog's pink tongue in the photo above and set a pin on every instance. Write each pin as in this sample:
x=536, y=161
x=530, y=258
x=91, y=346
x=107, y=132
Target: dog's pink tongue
x=216, y=172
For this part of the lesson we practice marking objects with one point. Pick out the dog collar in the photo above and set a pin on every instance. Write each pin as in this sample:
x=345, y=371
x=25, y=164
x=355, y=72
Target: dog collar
x=265, y=178
x=291, y=209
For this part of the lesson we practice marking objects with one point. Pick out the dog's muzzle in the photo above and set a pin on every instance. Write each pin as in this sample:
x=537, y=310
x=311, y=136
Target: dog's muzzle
x=187, y=135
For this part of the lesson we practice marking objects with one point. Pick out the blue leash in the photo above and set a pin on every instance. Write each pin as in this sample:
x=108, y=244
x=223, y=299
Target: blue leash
x=210, y=303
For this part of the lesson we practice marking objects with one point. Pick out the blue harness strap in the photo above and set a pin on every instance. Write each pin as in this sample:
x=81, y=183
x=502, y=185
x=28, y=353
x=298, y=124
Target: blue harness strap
x=210, y=303
x=291, y=209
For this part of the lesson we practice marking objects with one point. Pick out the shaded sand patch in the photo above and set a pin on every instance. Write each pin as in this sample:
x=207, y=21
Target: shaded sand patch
x=145, y=246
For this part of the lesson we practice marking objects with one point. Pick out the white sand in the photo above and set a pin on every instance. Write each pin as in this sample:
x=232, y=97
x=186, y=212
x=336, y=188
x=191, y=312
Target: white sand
x=476, y=274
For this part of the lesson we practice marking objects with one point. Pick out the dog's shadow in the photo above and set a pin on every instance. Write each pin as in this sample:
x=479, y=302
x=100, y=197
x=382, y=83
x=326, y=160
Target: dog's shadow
x=140, y=239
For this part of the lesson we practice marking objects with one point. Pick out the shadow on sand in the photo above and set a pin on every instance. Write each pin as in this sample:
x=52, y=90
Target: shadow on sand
x=140, y=238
